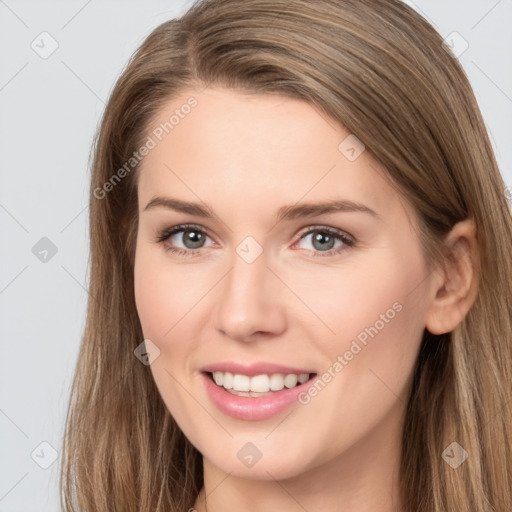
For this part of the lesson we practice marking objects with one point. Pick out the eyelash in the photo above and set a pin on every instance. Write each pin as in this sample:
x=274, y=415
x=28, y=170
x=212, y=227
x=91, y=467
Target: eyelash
x=165, y=234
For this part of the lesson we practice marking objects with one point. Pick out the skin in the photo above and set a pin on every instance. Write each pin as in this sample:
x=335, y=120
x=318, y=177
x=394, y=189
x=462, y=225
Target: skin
x=247, y=156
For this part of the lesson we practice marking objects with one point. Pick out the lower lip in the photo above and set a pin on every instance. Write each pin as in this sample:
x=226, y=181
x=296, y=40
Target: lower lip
x=253, y=408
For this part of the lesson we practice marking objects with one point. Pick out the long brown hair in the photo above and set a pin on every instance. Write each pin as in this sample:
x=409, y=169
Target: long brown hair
x=380, y=70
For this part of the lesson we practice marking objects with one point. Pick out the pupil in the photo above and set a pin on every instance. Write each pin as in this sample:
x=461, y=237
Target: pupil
x=320, y=236
x=194, y=235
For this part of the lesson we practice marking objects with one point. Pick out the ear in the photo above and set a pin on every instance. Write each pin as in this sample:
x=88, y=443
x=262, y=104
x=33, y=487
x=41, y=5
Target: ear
x=455, y=286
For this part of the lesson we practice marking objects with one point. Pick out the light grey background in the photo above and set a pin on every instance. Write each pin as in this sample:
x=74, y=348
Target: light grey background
x=49, y=111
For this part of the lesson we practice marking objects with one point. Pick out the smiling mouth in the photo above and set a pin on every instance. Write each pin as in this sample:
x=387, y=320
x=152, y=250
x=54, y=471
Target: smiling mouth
x=258, y=385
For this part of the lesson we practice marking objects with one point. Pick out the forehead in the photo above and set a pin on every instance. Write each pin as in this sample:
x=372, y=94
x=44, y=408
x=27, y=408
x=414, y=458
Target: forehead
x=251, y=151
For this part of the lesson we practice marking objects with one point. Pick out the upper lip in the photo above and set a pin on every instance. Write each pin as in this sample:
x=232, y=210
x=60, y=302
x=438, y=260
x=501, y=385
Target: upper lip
x=252, y=369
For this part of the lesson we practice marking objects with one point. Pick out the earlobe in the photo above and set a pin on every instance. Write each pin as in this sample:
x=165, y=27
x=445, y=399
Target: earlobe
x=455, y=286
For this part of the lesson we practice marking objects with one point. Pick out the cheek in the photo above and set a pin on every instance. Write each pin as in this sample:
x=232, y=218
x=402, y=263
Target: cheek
x=376, y=312
x=160, y=305
x=370, y=361
x=387, y=326
x=354, y=298
x=148, y=291
x=161, y=292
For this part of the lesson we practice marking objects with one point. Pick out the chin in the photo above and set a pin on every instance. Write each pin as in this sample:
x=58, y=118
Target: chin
x=257, y=458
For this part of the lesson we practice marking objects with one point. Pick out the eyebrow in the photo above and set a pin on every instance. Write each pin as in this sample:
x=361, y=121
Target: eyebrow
x=288, y=212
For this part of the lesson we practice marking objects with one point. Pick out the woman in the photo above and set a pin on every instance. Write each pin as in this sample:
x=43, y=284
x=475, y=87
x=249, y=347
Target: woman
x=230, y=361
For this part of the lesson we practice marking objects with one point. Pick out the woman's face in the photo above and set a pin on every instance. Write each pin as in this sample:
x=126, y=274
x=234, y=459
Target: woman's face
x=266, y=288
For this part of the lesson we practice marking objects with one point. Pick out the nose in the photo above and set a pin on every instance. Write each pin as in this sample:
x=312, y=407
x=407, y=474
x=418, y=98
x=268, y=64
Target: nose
x=250, y=302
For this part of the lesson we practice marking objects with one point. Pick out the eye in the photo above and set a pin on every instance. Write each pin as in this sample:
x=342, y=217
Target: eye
x=192, y=237
x=324, y=238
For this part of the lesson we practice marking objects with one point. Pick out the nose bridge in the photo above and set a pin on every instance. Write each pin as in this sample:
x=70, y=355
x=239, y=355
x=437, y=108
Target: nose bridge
x=249, y=299
x=247, y=282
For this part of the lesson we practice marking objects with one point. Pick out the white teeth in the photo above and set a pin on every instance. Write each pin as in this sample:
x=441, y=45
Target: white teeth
x=241, y=382
x=228, y=380
x=259, y=383
x=290, y=381
x=277, y=382
x=218, y=377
